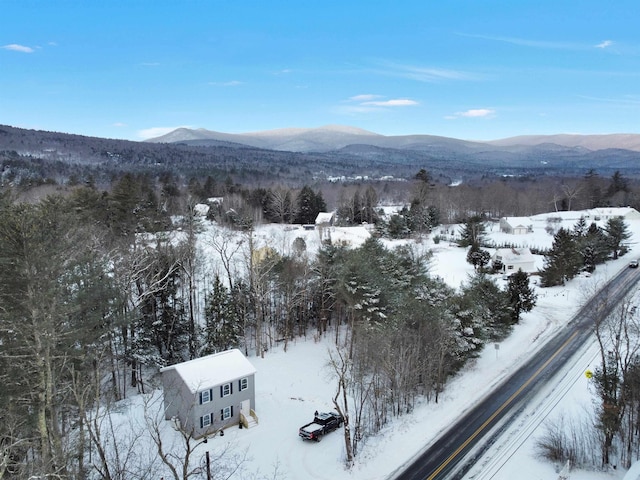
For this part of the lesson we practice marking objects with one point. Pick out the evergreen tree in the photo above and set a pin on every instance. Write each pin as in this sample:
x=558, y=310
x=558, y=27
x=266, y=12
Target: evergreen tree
x=324, y=282
x=210, y=188
x=564, y=260
x=596, y=241
x=370, y=203
x=397, y=227
x=133, y=207
x=423, y=176
x=419, y=216
x=484, y=307
x=522, y=297
x=593, y=189
x=580, y=228
x=617, y=232
x=478, y=257
x=618, y=184
x=161, y=333
x=356, y=208
x=472, y=232
x=308, y=205
x=222, y=326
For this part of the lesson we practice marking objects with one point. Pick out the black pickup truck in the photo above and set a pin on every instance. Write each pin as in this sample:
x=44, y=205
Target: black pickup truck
x=322, y=423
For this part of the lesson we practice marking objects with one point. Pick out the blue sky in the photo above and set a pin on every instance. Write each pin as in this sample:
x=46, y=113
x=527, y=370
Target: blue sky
x=468, y=69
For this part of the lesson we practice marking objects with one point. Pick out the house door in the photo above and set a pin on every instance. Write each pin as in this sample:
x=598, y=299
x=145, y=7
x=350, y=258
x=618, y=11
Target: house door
x=245, y=407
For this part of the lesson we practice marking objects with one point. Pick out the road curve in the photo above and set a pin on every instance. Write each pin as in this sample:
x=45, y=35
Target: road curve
x=446, y=455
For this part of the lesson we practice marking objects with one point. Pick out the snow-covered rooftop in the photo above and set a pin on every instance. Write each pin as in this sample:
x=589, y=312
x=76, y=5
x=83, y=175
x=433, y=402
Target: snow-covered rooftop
x=212, y=370
x=515, y=255
x=324, y=217
x=515, y=221
x=201, y=209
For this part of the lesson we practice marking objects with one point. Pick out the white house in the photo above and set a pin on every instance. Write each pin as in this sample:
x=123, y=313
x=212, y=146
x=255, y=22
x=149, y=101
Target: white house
x=210, y=393
x=516, y=225
x=607, y=213
x=514, y=259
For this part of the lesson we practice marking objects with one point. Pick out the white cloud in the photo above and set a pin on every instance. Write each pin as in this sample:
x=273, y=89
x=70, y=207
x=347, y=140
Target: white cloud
x=364, y=98
x=397, y=102
x=525, y=42
x=605, y=44
x=157, y=131
x=366, y=103
x=18, y=48
x=478, y=112
x=119, y=124
x=473, y=113
x=232, y=83
x=425, y=74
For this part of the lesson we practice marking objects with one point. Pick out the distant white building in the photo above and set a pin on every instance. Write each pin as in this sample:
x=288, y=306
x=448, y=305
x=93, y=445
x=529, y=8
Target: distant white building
x=607, y=213
x=602, y=214
x=514, y=259
x=516, y=225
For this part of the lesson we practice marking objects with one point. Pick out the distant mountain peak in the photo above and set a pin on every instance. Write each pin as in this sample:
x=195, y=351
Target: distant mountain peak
x=347, y=129
x=339, y=129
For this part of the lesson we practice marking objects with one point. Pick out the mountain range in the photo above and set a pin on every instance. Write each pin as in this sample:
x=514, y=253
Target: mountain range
x=335, y=137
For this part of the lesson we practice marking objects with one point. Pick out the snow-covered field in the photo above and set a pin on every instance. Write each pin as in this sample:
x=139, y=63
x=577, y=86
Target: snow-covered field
x=292, y=385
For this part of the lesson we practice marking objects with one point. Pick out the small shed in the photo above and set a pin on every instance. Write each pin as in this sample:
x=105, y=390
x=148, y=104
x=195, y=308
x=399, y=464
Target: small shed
x=326, y=219
x=210, y=393
x=324, y=222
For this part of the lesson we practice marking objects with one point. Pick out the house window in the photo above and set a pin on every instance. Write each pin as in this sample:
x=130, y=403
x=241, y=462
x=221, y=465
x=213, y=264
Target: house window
x=205, y=420
x=205, y=396
x=226, y=413
x=226, y=389
x=244, y=383
x=510, y=267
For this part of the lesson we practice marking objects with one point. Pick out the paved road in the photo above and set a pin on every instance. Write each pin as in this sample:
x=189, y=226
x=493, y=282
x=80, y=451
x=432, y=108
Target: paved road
x=445, y=458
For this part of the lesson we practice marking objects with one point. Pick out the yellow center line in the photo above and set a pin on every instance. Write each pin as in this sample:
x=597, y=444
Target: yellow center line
x=502, y=407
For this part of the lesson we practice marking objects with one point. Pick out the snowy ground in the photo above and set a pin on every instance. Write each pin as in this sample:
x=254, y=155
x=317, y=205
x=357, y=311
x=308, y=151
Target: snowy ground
x=292, y=385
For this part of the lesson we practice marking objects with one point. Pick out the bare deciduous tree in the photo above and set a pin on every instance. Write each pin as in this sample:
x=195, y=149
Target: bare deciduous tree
x=340, y=364
x=185, y=457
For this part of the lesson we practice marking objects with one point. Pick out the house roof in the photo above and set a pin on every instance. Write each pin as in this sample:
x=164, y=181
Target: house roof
x=574, y=215
x=324, y=217
x=613, y=211
x=515, y=255
x=518, y=221
x=212, y=370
